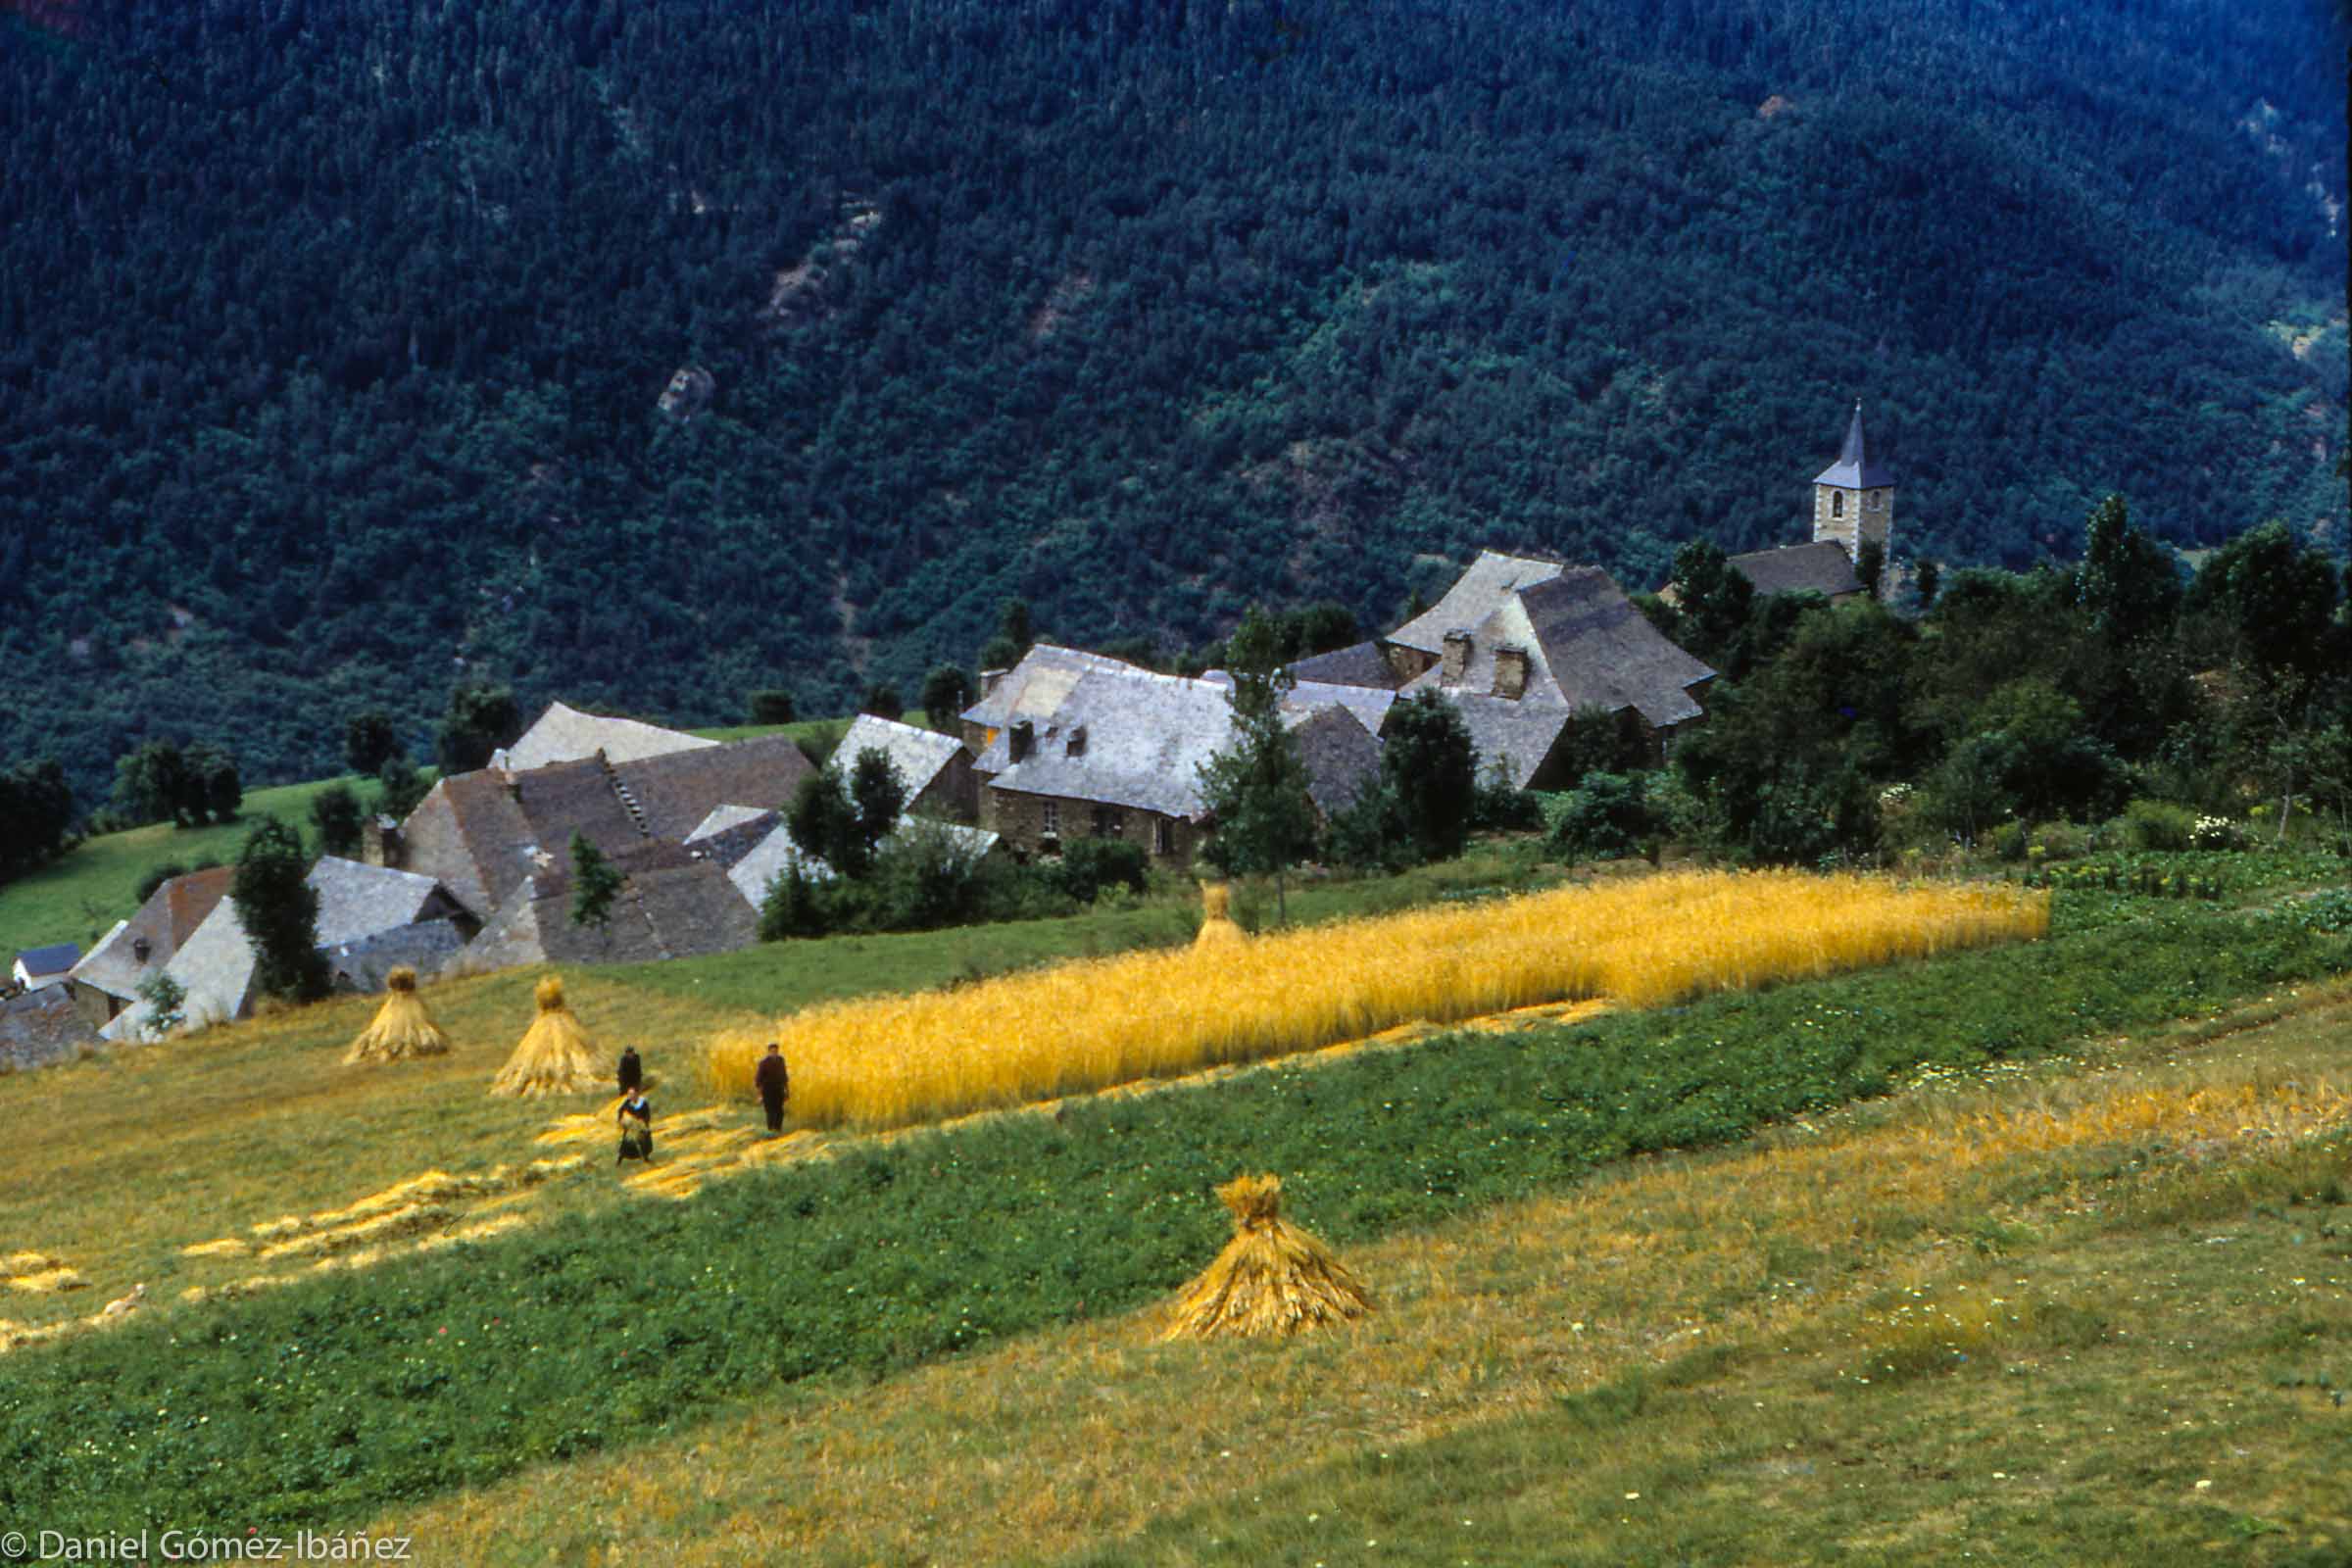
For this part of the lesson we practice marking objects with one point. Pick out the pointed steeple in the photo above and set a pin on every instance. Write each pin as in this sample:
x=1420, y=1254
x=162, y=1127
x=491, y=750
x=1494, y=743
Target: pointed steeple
x=1853, y=469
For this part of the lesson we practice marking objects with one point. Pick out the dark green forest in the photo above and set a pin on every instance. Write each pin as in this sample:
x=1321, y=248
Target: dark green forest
x=333, y=335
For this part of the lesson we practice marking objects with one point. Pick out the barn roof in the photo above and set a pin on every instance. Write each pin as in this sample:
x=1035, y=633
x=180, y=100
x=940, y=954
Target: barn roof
x=919, y=754
x=565, y=734
x=1823, y=568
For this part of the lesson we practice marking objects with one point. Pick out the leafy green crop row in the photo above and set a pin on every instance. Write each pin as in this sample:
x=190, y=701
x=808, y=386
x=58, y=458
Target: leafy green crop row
x=321, y=1402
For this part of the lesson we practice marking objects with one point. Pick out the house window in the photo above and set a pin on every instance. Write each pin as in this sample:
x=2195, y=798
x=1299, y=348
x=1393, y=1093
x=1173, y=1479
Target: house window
x=1110, y=822
x=1051, y=824
x=1837, y=502
x=1163, y=837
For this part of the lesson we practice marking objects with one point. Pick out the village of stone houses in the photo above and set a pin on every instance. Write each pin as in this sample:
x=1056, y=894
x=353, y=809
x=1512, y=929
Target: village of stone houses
x=1390, y=932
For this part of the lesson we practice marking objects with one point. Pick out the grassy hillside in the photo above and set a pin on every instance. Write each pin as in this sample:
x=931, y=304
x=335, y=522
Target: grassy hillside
x=80, y=896
x=2095, y=1308
x=435, y=1371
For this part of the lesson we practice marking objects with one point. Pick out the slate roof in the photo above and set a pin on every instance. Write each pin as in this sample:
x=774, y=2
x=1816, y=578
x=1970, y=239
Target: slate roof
x=40, y=1027
x=1588, y=647
x=214, y=966
x=565, y=734
x=767, y=860
x=730, y=833
x=480, y=834
x=1853, y=468
x=358, y=901
x=362, y=964
x=168, y=917
x=426, y=948
x=1823, y=568
x=469, y=835
x=677, y=791
x=51, y=962
x=1039, y=684
x=670, y=905
x=1361, y=665
x=1491, y=582
x=1369, y=704
x=1145, y=738
x=725, y=820
x=1342, y=757
x=919, y=754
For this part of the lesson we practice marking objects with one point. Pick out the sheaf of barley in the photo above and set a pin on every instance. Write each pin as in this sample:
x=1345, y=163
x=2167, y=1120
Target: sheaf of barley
x=1085, y=1025
x=1271, y=1278
x=402, y=1027
x=556, y=1056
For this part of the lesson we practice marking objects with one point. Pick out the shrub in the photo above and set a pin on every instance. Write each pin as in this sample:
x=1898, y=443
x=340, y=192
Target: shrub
x=2059, y=841
x=2216, y=833
x=2157, y=825
x=1603, y=817
x=1498, y=805
x=1089, y=865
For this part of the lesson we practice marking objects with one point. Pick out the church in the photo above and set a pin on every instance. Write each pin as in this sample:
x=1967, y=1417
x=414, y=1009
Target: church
x=1853, y=506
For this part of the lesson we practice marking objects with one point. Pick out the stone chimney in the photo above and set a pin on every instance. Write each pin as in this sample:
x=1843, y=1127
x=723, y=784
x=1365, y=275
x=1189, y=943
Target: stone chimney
x=1457, y=657
x=380, y=842
x=1510, y=672
x=988, y=681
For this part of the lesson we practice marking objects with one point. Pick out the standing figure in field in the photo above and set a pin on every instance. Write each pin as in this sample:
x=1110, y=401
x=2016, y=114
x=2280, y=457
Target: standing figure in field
x=632, y=1070
x=774, y=1083
x=636, y=1119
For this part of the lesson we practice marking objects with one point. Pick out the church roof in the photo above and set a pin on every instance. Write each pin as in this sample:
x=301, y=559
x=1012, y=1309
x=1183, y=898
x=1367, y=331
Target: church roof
x=1820, y=568
x=1854, y=468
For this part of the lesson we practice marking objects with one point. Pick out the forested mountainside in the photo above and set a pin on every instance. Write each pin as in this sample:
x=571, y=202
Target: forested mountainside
x=333, y=335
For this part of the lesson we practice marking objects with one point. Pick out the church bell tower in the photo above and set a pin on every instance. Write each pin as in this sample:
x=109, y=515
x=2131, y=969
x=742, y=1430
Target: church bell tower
x=1853, y=498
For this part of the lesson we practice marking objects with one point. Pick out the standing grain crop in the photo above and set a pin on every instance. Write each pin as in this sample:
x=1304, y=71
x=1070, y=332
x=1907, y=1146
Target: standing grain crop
x=1082, y=1026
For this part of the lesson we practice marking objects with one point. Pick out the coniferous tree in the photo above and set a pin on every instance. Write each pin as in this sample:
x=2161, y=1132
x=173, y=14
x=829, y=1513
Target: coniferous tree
x=335, y=811
x=278, y=911
x=1256, y=789
x=595, y=883
x=369, y=741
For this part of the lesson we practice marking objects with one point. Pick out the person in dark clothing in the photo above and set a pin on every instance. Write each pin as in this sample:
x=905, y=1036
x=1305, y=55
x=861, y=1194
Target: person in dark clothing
x=632, y=1071
x=636, y=1119
x=774, y=1083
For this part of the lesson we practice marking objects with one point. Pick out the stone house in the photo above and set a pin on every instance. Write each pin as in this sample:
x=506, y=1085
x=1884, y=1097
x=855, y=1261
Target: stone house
x=481, y=835
x=369, y=919
x=1523, y=648
x=671, y=905
x=1080, y=745
x=37, y=967
x=673, y=815
x=936, y=768
x=107, y=980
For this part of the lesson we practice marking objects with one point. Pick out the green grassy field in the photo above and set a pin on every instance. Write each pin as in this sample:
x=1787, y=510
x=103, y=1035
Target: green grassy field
x=80, y=897
x=2093, y=1309
x=433, y=1373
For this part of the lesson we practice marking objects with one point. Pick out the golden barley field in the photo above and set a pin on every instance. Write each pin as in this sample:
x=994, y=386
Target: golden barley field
x=891, y=1060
